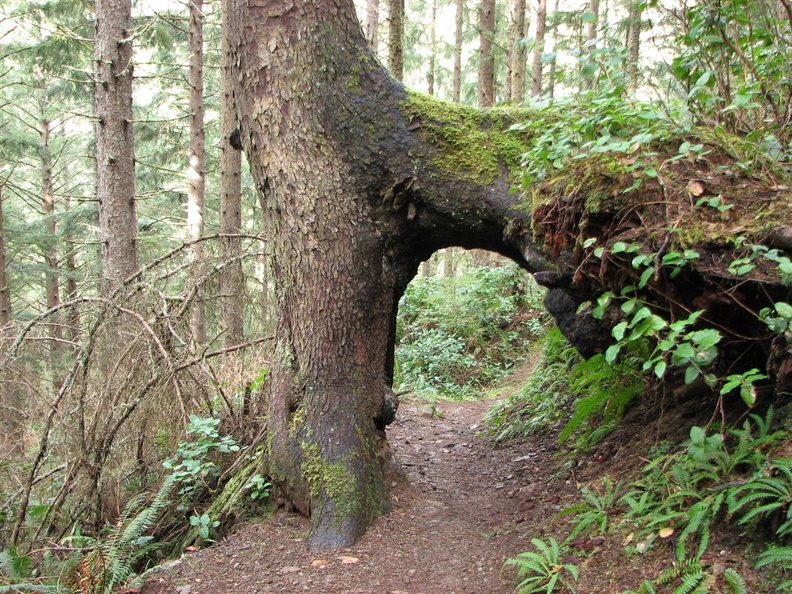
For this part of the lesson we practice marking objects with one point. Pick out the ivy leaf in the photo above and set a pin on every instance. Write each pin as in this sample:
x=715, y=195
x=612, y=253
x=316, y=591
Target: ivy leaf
x=660, y=369
x=691, y=373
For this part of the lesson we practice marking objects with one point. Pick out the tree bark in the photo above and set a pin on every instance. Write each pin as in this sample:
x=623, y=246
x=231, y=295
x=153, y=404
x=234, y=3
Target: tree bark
x=486, y=87
x=430, y=75
x=634, y=44
x=196, y=175
x=551, y=75
x=372, y=24
x=458, y=30
x=536, y=65
x=115, y=166
x=5, y=293
x=232, y=279
x=51, y=281
x=591, y=41
x=347, y=164
x=396, y=39
x=517, y=54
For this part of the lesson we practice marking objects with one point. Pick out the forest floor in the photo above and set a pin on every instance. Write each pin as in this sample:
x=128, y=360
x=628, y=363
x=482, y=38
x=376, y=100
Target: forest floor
x=462, y=508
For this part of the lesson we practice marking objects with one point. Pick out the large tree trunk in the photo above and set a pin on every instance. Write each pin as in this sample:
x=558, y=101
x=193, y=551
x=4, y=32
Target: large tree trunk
x=5, y=294
x=232, y=279
x=196, y=176
x=486, y=87
x=348, y=224
x=362, y=181
x=115, y=166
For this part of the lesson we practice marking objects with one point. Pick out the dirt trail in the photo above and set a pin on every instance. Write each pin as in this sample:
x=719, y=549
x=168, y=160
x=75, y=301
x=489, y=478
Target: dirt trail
x=461, y=510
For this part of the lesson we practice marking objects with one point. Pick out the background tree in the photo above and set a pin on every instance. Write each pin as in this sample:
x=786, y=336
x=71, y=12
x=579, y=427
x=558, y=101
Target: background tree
x=115, y=165
x=459, y=6
x=196, y=176
x=634, y=43
x=486, y=85
x=518, y=26
x=591, y=18
x=372, y=24
x=538, y=52
x=5, y=293
x=396, y=38
x=232, y=286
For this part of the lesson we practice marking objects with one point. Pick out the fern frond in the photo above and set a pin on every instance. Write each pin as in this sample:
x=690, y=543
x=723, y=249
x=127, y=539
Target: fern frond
x=690, y=582
x=776, y=556
x=735, y=581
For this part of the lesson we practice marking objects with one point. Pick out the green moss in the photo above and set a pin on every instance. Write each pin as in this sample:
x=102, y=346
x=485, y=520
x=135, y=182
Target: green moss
x=297, y=421
x=334, y=478
x=475, y=143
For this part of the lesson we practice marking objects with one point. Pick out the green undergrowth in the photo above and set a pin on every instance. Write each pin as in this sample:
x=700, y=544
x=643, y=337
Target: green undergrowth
x=589, y=395
x=209, y=480
x=457, y=334
x=668, y=518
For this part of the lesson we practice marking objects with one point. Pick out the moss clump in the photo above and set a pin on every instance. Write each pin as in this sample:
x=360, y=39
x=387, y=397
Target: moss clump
x=334, y=478
x=472, y=142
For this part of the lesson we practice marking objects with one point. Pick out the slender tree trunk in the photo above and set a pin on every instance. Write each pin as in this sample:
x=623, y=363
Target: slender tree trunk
x=51, y=281
x=5, y=293
x=70, y=268
x=517, y=55
x=551, y=76
x=589, y=80
x=115, y=165
x=634, y=44
x=372, y=24
x=458, y=30
x=232, y=279
x=448, y=261
x=486, y=94
x=536, y=66
x=430, y=75
x=396, y=39
x=196, y=176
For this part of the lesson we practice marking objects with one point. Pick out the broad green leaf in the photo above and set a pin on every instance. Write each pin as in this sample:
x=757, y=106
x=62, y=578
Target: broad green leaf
x=612, y=352
x=784, y=309
x=748, y=394
x=697, y=435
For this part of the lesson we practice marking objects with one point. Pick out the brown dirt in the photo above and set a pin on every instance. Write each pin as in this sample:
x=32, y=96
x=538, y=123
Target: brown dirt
x=462, y=508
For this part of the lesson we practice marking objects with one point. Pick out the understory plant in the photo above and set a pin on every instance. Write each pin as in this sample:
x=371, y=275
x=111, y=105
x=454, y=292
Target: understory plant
x=460, y=332
x=684, y=493
x=544, y=570
x=599, y=392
